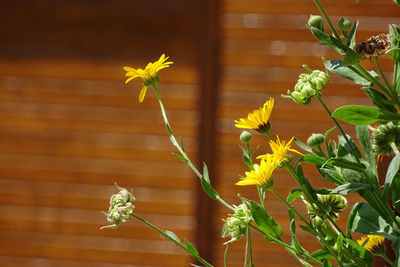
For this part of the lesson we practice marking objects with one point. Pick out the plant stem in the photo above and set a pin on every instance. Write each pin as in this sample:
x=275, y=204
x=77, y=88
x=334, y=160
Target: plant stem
x=326, y=17
x=383, y=256
x=179, y=148
x=378, y=66
x=198, y=258
x=249, y=247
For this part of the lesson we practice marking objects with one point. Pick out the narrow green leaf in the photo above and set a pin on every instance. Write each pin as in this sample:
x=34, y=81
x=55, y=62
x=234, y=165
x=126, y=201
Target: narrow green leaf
x=350, y=188
x=361, y=115
x=393, y=169
x=322, y=253
x=172, y=235
x=295, y=242
x=332, y=175
x=339, y=162
x=365, y=141
x=320, y=35
x=379, y=99
x=308, y=230
x=183, y=148
x=303, y=146
x=337, y=43
x=264, y=222
x=205, y=172
x=169, y=130
x=395, y=192
x=339, y=245
x=191, y=249
x=352, y=35
x=179, y=157
x=351, y=57
x=294, y=194
x=362, y=253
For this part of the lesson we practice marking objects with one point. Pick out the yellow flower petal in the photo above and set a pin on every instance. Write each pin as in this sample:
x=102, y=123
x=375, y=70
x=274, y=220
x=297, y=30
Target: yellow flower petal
x=142, y=94
x=258, y=119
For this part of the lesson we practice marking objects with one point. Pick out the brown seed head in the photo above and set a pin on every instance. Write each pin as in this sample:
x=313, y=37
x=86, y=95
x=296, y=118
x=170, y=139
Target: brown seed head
x=375, y=46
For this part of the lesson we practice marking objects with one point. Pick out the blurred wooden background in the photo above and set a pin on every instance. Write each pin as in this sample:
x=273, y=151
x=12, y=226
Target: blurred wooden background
x=70, y=128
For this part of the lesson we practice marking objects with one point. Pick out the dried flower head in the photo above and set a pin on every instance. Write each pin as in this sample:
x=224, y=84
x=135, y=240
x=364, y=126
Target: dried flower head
x=375, y=46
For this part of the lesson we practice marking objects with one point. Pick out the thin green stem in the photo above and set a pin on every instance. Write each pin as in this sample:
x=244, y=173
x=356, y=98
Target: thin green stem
x=249, y=247
x=378, y=66
x=225, y=254
x=326, y=17
x=178, y=146
x=339, y=127
x=176, y=242
x=383, y=256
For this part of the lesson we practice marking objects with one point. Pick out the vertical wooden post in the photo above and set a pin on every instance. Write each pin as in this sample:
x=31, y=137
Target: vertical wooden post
x=209, y=75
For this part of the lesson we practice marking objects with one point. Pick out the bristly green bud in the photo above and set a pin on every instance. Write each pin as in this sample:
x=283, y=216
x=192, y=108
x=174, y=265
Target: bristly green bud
x=331, y=204
x=236, y=224
x=245, y=137
x=308, y=85
x=344, y=24
x=316, y=22
x=121, y=207
x=315, y=140
x=385, y=138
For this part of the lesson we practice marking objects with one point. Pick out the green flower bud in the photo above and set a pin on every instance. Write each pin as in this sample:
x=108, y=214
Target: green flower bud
x=315, y=140
x=344, y=24
x=331, y=204
x=236, y=225
x=121, y=208
x=385, y=138
x=316, y=22
x=308, y=85
x=245, y=137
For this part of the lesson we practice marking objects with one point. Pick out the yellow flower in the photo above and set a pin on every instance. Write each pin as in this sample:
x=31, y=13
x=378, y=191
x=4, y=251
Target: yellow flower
x=148, y=75
x=258, y=119
x=371, y=242
x=280, y=149
x=262, y=174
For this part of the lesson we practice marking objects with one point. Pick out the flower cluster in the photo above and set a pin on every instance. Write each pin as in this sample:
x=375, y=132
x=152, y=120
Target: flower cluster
x=121, y=207
x=308, y=85
x=236, y=225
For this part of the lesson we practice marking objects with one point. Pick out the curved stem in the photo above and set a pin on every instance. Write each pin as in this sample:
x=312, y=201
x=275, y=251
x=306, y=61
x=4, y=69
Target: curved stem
x=178, y=146
x=249, y=247
x=161, y=232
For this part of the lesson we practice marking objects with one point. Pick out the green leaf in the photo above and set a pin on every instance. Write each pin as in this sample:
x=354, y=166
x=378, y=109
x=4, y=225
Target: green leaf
x=339, y=162
x=395, y=192
x=365, y=141
x=393, y=169
x=264, y=222
x=295, y=242
x=379, y=99
x=172, y=235
x=346, y=145
x=179, y=157
x=320, y=35
x=247, y=158
x=350, y=188
x=206, y=185
x=332, y=175
x=303, y=146
x=308, y=230
x=361, y=115
x=183, y=148
x=365, y=220
x=352, y=35
x=191, y=249
x=350, y=73
x=360, y=251
x=337, y=43
x=351, y=57
x=169, y=130
x=322, y=253
x=294, y=194
x=339, y=245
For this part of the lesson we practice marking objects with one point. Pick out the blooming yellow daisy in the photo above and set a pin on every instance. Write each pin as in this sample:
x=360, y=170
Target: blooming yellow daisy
x=148, y=75
x=280, y=149
x=262, y=174
x=371, y=242
x=258, y=119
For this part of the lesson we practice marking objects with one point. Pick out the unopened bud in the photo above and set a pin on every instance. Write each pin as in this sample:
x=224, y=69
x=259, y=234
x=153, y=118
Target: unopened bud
x=344, y=24
x=236, y=224
x=316, y=140
x=316, y=22
x=245, y=137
